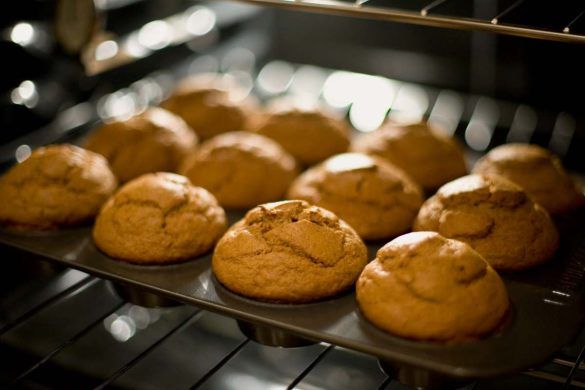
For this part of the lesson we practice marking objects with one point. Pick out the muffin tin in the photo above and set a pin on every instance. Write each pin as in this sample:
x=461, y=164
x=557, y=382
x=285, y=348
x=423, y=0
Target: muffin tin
x=548, y=307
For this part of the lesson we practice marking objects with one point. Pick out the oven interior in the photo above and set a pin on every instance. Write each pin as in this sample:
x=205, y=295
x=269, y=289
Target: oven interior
x=62, y=328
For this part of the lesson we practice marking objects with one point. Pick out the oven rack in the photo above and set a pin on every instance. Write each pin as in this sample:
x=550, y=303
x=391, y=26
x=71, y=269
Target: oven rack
x=91, y=334
x=511, y=19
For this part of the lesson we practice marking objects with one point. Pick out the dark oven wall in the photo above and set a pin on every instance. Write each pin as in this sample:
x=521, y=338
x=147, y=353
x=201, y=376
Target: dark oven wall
x=543, y=73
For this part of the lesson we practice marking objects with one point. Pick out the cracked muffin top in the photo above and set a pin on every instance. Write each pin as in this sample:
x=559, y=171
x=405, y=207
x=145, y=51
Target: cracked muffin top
x=430, y=157
x=539, y=172
x=57, y=186
x=495, y=217
x=376, y=198
x=310, y=136
x=424, y=286
x=211, y=105
x=153, y=141
x=159, y=218
x=241, y=169
x=289, y=252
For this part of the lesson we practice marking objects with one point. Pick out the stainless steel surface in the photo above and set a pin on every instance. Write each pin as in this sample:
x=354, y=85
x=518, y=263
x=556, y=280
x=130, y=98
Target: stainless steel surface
x=424, y=16
x=415, y=377
x=197, y=25
x=141, y=297
x=270, y=336
x=548, y=306
x=72, y=343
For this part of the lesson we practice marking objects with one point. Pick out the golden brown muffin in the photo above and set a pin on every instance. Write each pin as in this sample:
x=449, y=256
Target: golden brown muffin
x=310, y=136
x=211, y=105
x=289, y=252
x=241, y=169
x=538, y=172
x=376, y=198
x=159, y=218
x=57, y=186
x=153, y=141
x=495, y=217
x=425, y=154
x=426, y=287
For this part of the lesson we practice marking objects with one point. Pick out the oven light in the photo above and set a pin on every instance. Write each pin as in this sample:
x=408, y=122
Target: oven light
x=106, y=50
x=480, y=129
x=22, y=153
x=337, y=90
x=22, y=33
x=341, y=89
x=410, y=105
x=308, y=82
x=201, y=21
x=478, y=135
x=25, y=94
x=123, y=328
x=368, y=114
x=155, y=35
x=275, y=77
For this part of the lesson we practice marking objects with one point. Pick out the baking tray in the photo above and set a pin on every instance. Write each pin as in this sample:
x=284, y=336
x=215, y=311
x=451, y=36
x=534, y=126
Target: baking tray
x=547, y=301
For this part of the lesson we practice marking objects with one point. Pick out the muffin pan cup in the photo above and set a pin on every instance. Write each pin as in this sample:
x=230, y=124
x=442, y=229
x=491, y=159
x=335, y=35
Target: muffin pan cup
x=140, y=297
x=271, y=336
x=548, y=307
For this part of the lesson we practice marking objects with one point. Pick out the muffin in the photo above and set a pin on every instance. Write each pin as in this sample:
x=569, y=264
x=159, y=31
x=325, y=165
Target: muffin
x=153, y=141
x=159, y=218
x=241, y=169
x=424, y=153
x=310, y=136
x=57, y=186
x=289, y=252
x=374, y=197
x=426, y=287
x=495, y=217
x=211, y=105
x=539, y=172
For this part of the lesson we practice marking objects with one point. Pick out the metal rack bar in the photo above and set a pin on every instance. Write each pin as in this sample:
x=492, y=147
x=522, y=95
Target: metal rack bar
x=568, y=363
x=366, y=10
x=221, y=363
x=186, y=322
x=574, y=369
x=68, y=342
x=496, y=19
x=552, y=378
x=84, y=283
x=425, y=10
x=385, y=383
x=308, y=369
x=567, y=29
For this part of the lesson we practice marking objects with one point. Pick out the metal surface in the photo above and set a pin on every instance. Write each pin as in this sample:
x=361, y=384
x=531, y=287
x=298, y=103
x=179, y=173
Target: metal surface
x=141, y=297
x=548, y=306
x=423, y=16
x=274, y=337
x=75, y=343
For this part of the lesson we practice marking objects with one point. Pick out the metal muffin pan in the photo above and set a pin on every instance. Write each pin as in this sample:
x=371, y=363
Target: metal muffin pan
x=548, y=306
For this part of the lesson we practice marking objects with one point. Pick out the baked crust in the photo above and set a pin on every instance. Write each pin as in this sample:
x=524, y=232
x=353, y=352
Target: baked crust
x=211, y=105
x=539, y=172
x=426, y=287
x=241, y=169
x=310, y=136
x=495, y=217
x=430, y=157
x=374, y=197
x=289, y=252
x=159, y=218
x=153, y=141
x=57, y=186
